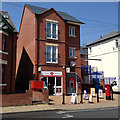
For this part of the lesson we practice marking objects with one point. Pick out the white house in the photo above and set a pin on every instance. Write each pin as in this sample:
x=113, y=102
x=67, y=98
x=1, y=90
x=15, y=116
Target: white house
x=104, y=55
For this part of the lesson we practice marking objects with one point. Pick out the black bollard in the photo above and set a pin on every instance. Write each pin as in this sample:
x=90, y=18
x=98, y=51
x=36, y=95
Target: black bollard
x=81, y=98
x=97, y=96
x=112, y=95
x=63, y=99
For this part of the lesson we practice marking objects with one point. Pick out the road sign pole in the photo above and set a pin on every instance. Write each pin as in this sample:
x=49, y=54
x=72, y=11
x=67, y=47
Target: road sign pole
x=81, y=98
x=97, y=96
x=63, y=99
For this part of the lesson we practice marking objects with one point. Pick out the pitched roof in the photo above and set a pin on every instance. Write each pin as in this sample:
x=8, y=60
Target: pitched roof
x=65, y=16
x=7, y=18
x=104, y=38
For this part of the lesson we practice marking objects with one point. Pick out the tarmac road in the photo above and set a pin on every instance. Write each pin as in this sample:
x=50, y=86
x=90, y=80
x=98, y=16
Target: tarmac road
x=111, y=112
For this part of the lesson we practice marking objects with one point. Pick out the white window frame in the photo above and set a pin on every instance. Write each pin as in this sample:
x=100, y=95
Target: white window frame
x=72, y=52
x=51, y=54
x=72, y=28
x=52, y=22
x=1, y=52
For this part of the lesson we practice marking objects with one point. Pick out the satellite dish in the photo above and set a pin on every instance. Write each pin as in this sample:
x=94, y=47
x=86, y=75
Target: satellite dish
x=72, y=63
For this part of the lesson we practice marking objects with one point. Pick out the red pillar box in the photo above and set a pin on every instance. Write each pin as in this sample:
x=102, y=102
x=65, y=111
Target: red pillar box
x=36, y=85
x=107, y=90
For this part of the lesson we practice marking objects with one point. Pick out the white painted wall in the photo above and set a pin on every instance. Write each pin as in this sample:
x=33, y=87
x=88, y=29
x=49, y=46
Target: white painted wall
x=119, y=63
x=108, y=53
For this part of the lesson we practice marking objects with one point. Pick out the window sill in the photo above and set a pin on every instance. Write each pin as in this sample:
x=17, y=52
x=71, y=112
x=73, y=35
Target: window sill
x=3, y=85
x=72, y=36
x=73, y=57
x=6, y=53
x=51, y=62
x=51, y=38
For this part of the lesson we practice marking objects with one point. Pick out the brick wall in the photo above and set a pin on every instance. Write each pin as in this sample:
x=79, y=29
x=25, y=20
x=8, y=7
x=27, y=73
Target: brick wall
x=41, y=96
x=24, y=98
x=10, y=67
x=16, y=99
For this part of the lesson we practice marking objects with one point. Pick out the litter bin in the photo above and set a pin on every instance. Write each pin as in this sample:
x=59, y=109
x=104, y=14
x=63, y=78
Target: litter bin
x=108, y=91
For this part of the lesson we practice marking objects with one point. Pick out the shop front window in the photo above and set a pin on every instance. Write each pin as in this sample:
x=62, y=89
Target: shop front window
x=58, y=81
x=44, y=79
x=58, y=90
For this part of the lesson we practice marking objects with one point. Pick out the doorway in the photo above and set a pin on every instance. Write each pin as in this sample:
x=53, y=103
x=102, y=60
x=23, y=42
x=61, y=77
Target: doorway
x=54, y=84
x=51, y=84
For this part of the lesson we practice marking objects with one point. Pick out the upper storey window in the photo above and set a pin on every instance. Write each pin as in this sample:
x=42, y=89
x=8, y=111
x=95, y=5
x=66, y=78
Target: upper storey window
x=71, y=31
x=52, y=30
x=4, y=43
x=72, y=52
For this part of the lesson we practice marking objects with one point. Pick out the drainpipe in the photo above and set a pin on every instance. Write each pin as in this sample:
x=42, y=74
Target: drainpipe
x=38, y=30
x=65, y=55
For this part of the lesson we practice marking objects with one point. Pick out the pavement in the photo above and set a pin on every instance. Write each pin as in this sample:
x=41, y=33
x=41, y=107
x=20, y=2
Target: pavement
x=56, y=104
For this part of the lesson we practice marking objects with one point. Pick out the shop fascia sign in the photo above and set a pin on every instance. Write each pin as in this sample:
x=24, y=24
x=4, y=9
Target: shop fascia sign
x=51, y=74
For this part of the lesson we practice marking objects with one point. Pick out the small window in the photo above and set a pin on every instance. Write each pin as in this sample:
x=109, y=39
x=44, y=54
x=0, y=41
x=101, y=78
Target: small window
x=4, y=43
x=51, y=54
x=90, y=49
x=116, y=43
x=72, y=52
x=71, y=31
x=3, y=73
x=51, y=32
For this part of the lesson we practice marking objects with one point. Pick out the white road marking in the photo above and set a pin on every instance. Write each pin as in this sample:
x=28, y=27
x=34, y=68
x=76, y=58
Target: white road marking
x=67, y=116
x=61, y=112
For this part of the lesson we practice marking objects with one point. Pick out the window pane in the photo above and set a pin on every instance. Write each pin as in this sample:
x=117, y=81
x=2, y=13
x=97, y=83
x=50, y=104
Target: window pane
x=69, y=31
x=70, y=52
x=58, y=90
x=4, y=43
x=73, y=31
x=44, y=79
x=54, y=57
x=3, y=73
x=48, y=55
x=54, y=31
x=48, y=29
x=73, y=53
x=58, y=81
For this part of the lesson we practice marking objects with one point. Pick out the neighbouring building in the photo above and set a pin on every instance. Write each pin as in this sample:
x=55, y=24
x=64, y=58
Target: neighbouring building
x=104, y=55
x=84, y=56
x=48, y=44
x=8, y=44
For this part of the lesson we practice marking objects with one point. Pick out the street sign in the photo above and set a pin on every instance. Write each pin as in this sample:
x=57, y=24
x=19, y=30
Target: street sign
x=90, y=98
x=39, y=69
x=67, y=70
x=92, y=91
x=74, y=98
x=85, y=95
x=100, y=93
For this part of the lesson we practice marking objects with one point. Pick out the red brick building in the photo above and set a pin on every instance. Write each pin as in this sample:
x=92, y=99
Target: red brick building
x=8, y=43
x=48, y=43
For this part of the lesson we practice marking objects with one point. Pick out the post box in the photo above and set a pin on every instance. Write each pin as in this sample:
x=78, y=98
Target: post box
x=108, y=91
